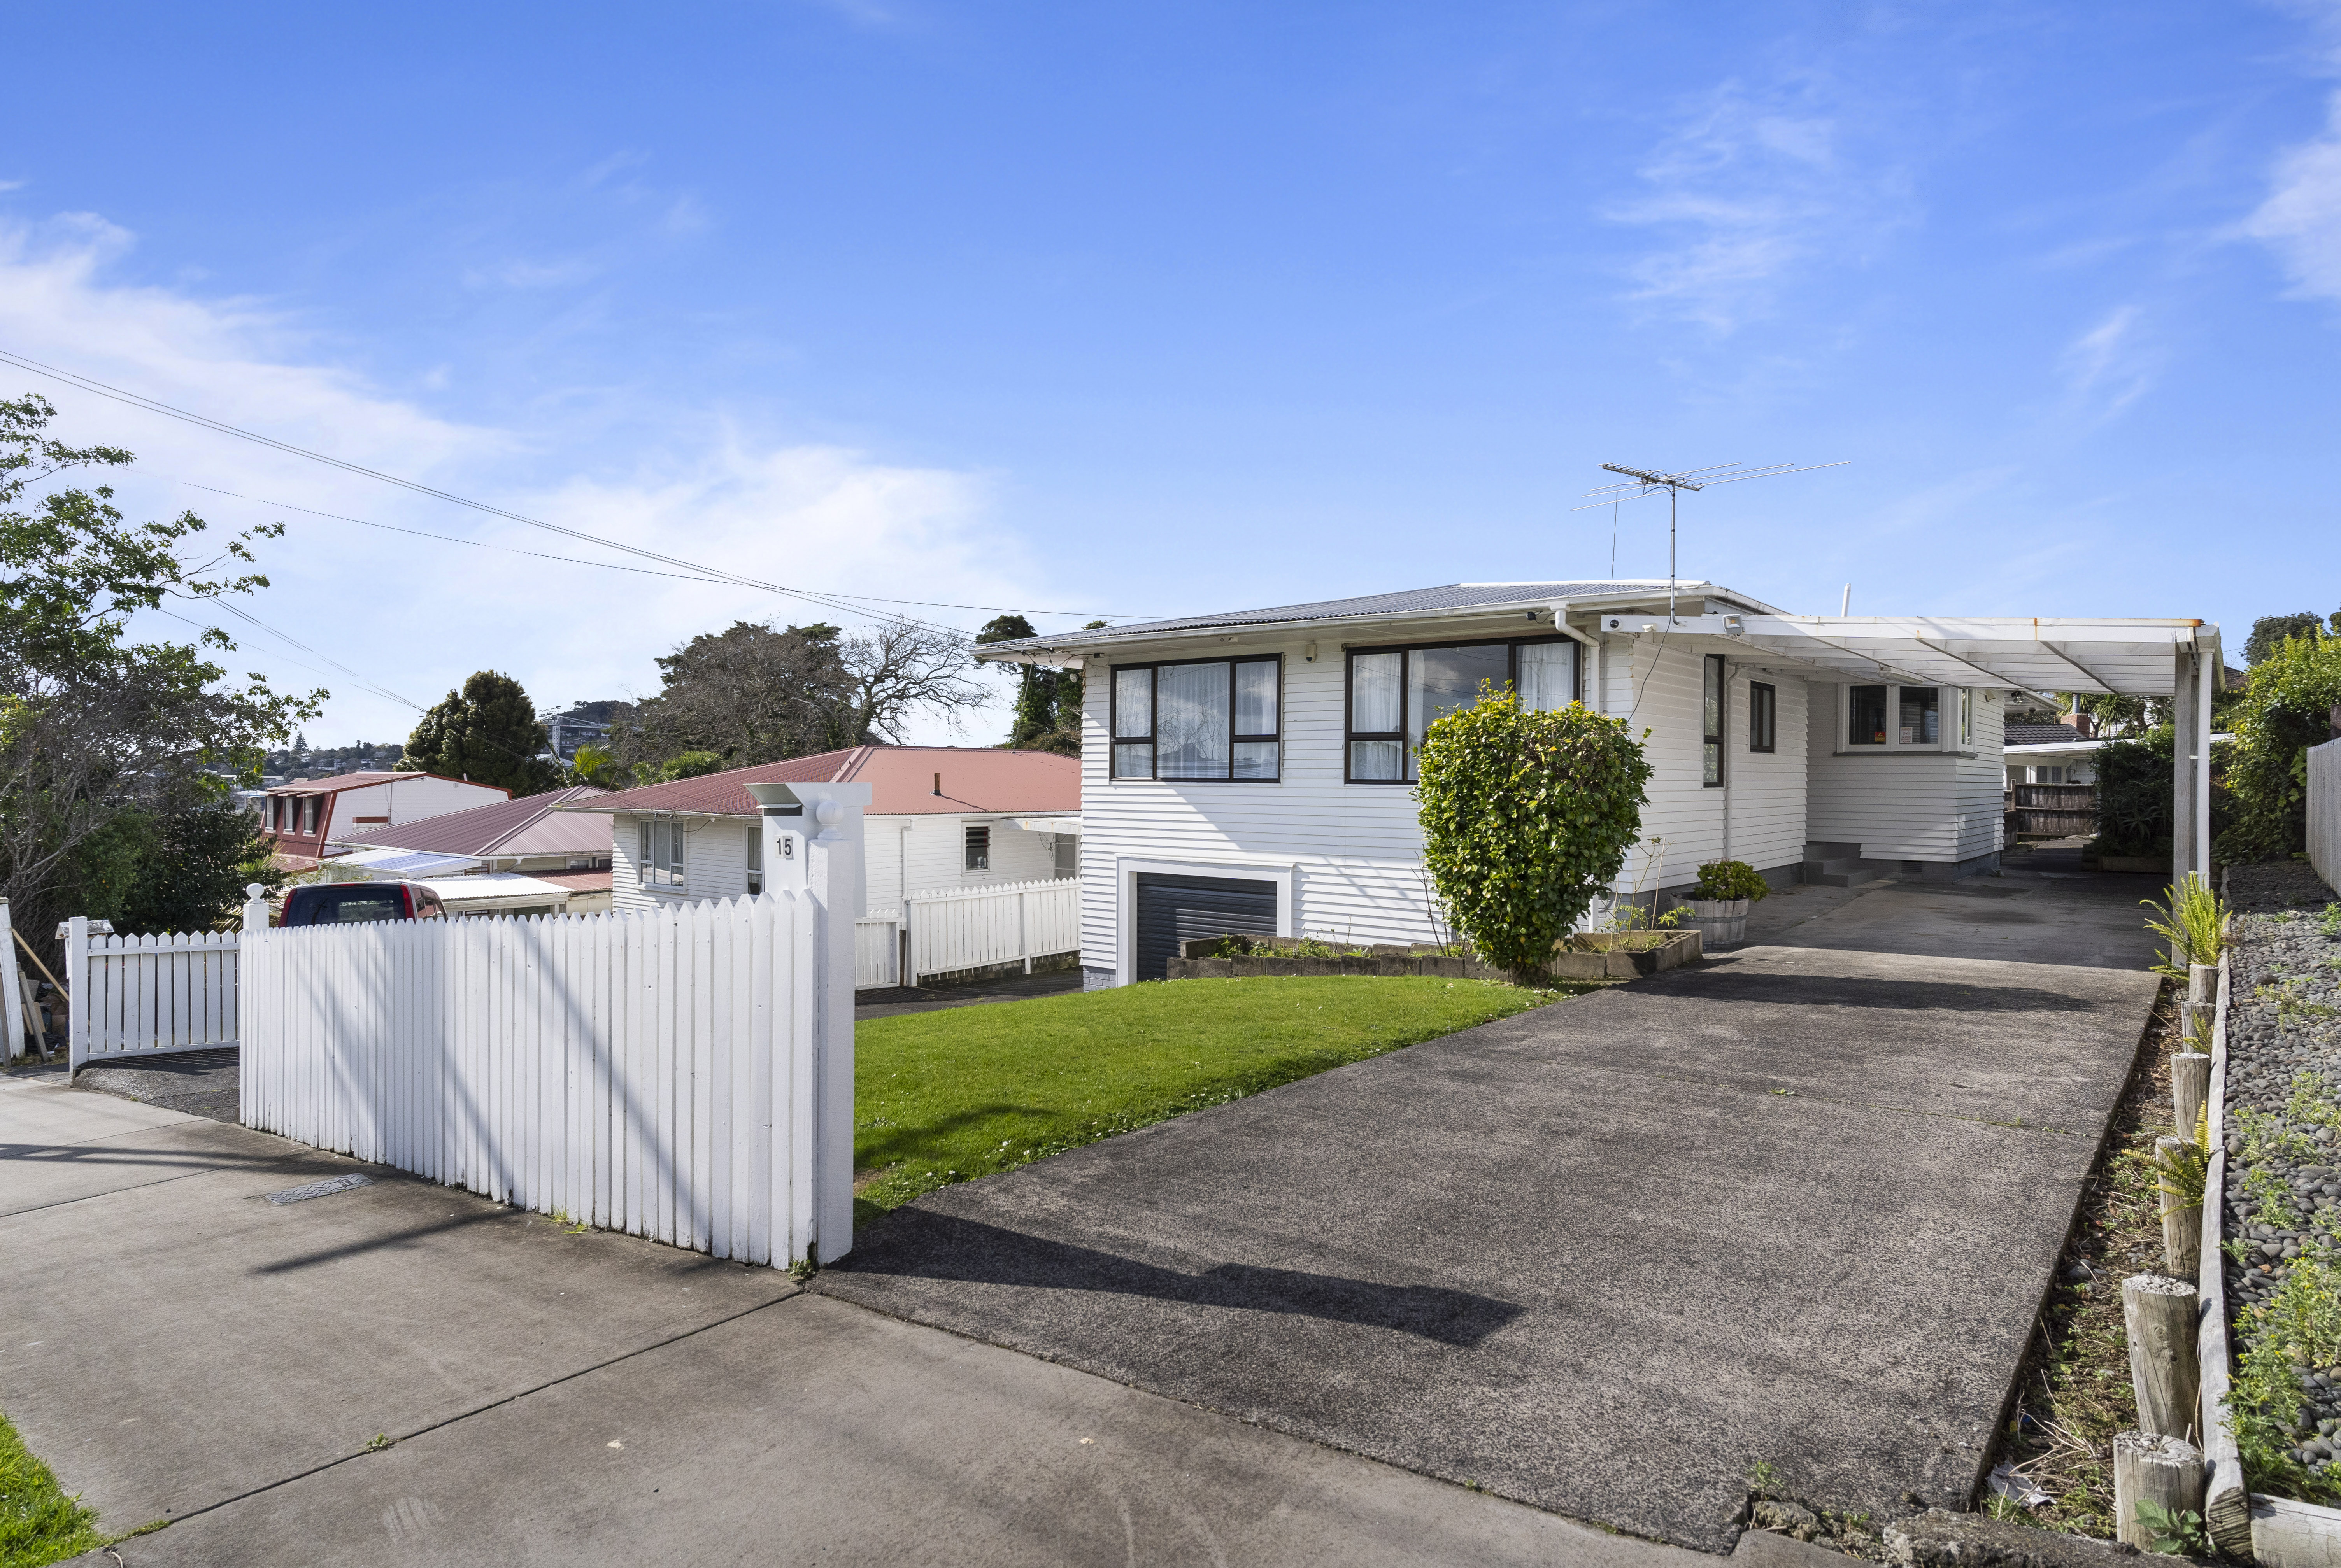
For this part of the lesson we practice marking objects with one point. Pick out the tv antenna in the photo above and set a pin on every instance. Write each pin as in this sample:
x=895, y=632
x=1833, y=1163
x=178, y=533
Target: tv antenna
x=1648, y=480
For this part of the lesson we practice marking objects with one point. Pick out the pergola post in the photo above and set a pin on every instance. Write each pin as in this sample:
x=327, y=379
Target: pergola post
x=2190, y=754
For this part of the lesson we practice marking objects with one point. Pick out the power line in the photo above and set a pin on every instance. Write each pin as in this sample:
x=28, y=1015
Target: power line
x=841, y=602
x=607, y=565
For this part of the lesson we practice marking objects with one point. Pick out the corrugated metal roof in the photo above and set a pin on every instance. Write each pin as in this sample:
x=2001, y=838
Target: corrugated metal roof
x=902, y=778
x=2040, y=734
x=1455, y=596
x=359, y=780
x=528, y=826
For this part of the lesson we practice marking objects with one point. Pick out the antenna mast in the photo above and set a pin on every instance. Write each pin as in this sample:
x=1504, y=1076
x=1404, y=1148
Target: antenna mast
x=1645, y=480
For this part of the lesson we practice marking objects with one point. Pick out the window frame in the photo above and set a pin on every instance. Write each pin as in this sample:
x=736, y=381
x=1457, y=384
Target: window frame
x=755, y=858
x=1766, y=707
x=1406, y=651
x=651, y=872
x=1115, y=739
x=971, y=857
x=1951, y=718
x=1715, y=672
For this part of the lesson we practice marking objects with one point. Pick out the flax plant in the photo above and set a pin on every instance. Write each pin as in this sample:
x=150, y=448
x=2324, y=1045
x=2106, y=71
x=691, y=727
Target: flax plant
x=2194, y=922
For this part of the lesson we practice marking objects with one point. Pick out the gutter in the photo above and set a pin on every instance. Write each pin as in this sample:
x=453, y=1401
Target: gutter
x=997, y=653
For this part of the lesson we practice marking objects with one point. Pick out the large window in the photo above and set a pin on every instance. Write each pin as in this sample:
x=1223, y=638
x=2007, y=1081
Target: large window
x=661, y=854
x=756, y=856
x=1710, y=709
x=1214, y=719
x=1396, y=694
x=1892, y=718
x=1763, y=716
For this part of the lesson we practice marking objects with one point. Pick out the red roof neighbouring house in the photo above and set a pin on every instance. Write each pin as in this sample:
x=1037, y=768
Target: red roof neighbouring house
x=527, y=825
x=904, y=781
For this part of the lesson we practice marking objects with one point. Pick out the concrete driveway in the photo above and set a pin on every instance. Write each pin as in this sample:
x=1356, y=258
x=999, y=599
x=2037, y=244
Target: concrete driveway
x=400, y=1374
x=1796, y=1206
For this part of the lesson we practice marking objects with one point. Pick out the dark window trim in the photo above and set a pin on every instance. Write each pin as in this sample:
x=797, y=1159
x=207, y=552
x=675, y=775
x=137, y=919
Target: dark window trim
x=1349, y=651
x=1114, y=736
x=1770, y=706
x=1715, y=667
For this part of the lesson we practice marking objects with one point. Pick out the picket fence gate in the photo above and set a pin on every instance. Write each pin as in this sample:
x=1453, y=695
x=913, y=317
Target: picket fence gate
x=877, y=952
x=146, y=995
x=957, y=928
x=652, y=1072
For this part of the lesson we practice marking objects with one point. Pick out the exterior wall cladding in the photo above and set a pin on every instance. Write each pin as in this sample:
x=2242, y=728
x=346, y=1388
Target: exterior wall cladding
x=1349, y=856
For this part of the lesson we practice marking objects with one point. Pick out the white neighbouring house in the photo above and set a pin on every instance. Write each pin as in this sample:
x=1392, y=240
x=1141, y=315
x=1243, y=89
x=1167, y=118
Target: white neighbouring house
x=939, y=817
x=1250, y=772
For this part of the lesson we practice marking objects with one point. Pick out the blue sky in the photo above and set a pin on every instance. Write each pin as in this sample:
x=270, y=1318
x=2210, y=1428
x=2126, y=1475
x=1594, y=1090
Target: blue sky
x=1137, y=310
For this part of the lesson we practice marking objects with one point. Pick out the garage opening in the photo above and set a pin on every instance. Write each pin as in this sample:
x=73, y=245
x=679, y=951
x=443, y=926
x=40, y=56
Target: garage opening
x=1175, y=909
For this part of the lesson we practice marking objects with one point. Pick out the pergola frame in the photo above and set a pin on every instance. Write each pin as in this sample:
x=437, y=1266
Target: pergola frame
x=2176, y=659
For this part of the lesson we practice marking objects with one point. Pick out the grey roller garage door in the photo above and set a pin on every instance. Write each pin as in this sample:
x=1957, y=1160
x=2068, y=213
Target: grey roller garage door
x=1174, y=909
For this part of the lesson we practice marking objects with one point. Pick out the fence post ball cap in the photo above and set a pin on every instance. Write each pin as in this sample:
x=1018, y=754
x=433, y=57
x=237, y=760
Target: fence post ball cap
x=829, y=813
x=254, y=890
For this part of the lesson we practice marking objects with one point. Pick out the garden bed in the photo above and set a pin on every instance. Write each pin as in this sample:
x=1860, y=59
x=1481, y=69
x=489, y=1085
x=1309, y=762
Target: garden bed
x=2281, y=1224
x=1597, y=956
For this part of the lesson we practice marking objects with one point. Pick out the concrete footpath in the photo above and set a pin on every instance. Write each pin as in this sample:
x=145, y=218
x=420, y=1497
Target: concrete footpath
x=401, y=1373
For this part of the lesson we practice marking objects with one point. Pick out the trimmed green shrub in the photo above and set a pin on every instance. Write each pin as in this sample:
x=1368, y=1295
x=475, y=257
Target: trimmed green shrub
x=1526, y=817
x=1731, y=880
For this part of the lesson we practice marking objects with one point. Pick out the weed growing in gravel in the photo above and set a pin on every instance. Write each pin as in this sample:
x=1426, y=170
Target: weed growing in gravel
x=2194, y=924
x=2295, y=1330
x=2331, y=924
x=2176, y=1532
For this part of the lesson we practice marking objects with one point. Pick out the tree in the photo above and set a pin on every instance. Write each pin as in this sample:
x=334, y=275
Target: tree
x=488, y=733
x=1526, y=817
x=599, y=767
x=750, y=694
x=2287, y=706
x=899, y=669
x=2270, y=632
x=97, y=731
x=196, y=864
x=1048, y=711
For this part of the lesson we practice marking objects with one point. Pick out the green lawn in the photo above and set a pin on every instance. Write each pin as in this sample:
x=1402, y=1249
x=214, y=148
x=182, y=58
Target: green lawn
x=38, y=1523
x=944, y=1097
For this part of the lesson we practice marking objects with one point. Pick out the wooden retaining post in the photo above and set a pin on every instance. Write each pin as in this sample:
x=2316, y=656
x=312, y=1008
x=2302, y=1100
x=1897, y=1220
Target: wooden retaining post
x=2195, y=1011
x=2166, y=1472
x=2159, y=1314
x=2182, y=1229
x=2190, y=1089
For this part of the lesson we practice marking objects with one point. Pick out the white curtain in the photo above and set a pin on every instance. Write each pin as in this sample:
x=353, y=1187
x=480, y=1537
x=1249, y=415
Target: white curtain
x=1191, y=738
x=1548, y=675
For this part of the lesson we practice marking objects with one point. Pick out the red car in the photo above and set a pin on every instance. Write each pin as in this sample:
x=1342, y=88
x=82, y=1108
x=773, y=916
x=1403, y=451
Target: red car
x=342, y=903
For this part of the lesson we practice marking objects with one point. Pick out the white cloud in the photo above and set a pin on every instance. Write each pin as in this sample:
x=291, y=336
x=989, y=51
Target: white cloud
x=2301, y=218
x=2111, y=365
x=416, y=615
x=1755, y=186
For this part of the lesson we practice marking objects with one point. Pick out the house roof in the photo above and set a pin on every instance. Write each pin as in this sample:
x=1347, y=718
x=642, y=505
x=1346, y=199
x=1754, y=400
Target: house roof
x=2040, y=734
x=980, y=780
x=360, y=779
x=528, y=826
x=1462, y=597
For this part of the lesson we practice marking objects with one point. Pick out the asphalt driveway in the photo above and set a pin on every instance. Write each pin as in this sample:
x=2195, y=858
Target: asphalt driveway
x=1798, y=1205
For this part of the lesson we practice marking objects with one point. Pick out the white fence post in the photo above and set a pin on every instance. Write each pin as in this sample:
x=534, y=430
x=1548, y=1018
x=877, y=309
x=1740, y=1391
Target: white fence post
x=77, y=993
x=834, y=877
x=11, y=1000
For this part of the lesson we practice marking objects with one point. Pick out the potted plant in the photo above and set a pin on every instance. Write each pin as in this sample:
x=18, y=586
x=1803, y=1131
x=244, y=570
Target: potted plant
x=1719, y=908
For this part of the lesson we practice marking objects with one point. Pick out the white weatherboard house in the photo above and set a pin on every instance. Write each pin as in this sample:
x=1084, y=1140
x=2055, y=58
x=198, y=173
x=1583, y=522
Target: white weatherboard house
x=1251, y=771
x=939, y=817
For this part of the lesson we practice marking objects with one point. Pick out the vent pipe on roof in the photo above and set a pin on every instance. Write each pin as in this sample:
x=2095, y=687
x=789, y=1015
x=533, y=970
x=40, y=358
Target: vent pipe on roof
x=939, y=783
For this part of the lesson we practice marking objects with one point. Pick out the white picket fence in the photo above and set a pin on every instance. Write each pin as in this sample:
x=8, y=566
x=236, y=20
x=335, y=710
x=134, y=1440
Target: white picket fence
x=877, y=952
x=649, y=1072
x=144, y=995
x=958, y=929
x=2325, y=811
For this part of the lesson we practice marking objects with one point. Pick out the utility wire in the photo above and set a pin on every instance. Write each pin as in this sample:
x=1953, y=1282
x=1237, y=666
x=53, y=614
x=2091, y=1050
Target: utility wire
x=828, y=601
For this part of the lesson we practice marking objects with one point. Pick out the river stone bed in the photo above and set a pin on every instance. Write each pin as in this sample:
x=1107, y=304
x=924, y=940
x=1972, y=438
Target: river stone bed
x=2283, y=1019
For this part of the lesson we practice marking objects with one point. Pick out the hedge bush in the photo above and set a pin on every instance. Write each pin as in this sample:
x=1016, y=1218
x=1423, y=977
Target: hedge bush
x=1526, y=817
x=2287, y=708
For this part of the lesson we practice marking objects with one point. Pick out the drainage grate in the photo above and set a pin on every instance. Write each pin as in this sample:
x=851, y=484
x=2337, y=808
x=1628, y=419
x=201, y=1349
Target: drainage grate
x=326, y=1188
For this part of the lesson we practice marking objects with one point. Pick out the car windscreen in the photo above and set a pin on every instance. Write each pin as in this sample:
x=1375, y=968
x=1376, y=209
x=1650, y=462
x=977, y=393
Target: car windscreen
x=344, y=902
